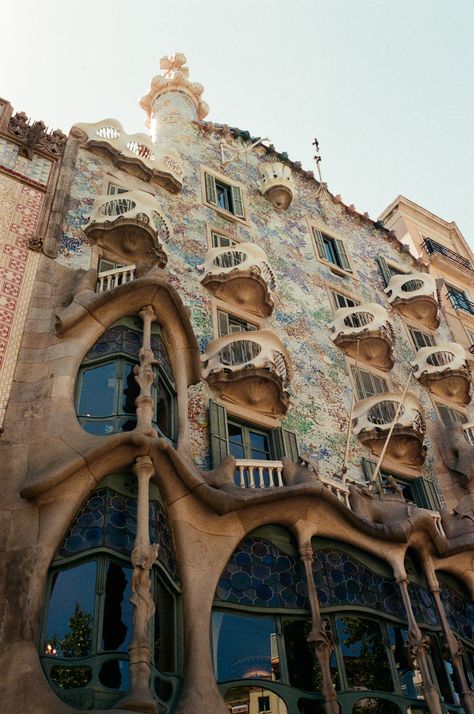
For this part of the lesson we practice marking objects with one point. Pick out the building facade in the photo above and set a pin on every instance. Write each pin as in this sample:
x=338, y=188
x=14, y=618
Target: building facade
x=237, y=438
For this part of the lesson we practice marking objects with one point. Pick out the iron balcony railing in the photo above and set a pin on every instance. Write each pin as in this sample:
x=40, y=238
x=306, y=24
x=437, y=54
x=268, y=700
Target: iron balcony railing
x=461, y=302
x=431, y=246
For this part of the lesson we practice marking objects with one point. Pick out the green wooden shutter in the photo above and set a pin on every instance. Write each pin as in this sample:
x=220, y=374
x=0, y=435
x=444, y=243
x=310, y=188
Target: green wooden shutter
x=211, y=193
x=318, y=239
x=425, y=494
x=384, y=269
x=237, y=202
x=219, y=436
x=369, y=469
x=343, y=257
x=223, y=322
x=285, y=443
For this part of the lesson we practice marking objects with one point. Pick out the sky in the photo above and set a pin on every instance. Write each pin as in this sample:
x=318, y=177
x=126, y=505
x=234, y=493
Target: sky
x=387, y=86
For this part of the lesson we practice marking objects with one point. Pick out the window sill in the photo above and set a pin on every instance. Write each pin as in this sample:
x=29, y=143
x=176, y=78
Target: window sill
x=227, y=215
x=336, y=269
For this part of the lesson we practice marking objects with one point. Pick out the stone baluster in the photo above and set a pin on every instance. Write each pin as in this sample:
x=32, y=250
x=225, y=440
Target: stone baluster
x=453, y=645
x=145, y=375
x=319, y=634
x=419, y=645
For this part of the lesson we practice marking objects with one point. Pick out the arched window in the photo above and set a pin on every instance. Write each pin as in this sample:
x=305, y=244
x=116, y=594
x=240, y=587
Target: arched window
x=261, y=621
x=88, y=621
x=107, y=389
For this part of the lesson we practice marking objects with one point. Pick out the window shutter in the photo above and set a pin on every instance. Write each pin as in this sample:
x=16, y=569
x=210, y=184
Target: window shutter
x=237, y=202
x=211, y=193
x=285, y=443
x=219, y=436
x=343, y=257
x=318, y=239
x=425, y=494
x=384, y=269
x=368, y=468
x=223, y=323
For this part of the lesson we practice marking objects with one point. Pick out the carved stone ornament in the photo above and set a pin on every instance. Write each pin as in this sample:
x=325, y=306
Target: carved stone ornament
x=176, y=79
x=35, y=243
x=35, y=136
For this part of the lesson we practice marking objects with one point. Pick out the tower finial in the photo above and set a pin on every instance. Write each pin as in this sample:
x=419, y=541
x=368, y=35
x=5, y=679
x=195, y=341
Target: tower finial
x=317, y=158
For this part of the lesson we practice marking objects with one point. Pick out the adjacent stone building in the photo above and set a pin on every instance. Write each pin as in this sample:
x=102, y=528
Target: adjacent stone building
x=237, y=440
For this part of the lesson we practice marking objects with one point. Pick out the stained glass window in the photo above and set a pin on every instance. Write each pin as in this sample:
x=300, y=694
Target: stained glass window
x=109, y=518
x=459, y=611
x=260, y=574
x=343, y=580
x=422, y=604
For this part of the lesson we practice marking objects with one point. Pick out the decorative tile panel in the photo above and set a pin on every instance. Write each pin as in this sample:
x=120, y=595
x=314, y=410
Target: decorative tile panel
x=37, y=170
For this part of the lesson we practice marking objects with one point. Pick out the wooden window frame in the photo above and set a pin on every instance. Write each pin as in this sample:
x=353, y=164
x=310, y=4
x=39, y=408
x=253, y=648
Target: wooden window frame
x=336, y=290
x=373, y=372
x=211, y=228
x=340, y=243
x=456, y=408
x=218, y=305
x=414, y=328
x=221, y=178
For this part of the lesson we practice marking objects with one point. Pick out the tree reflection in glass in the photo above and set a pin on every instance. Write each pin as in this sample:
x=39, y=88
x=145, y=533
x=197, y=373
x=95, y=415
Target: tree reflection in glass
x=303, y=665
x=364, y=654
x=245, y=647
x=375, y=706
x=408, y=673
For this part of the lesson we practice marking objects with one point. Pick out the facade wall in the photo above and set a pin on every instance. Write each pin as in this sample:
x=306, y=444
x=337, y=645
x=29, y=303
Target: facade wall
x=53, y=465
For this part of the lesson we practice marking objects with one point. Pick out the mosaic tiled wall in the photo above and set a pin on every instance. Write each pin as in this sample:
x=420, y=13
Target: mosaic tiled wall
x=321, y=391
x=19, y=214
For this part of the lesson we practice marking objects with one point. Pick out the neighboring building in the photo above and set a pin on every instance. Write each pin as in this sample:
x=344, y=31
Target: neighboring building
x=229, y=483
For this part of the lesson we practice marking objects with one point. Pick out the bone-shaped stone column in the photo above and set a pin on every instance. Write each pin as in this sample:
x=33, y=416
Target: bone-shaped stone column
x=319, y=635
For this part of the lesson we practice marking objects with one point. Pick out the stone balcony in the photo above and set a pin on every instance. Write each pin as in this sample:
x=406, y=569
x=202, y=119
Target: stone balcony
x=129, y=225
x=110, y=279
x=373, y=418
x=415, y=297
x=251, y=369
x=364, y=330
x=276, y=184
x=444, y=370
x=134, y=153
x=241, y=275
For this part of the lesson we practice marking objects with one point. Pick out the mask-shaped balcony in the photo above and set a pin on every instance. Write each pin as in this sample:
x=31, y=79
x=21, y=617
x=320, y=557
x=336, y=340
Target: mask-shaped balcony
x=251, y=369
x=369, y=327
x=241, y=275
x=134, y=153
x=415, y=297
x=373, y=418
x=130, y=226
x=444, y=370
x=276, y=184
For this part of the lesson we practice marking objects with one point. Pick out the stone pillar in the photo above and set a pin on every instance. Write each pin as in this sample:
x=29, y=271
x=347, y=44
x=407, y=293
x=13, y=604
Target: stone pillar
x=419, y=645
x=319, y=635
x=144, y=555
x=145, y=376
x=453, y=646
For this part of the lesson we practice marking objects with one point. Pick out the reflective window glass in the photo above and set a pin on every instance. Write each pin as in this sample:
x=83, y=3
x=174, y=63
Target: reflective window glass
x=130, y=389
x=164, y=654
x=407, y=668
x=244, y=647
x=118, y=613
x=375, y=706
x=97, y=395
x=254, y=700
x=303, y=666
x=364, y=654
x=71, y=612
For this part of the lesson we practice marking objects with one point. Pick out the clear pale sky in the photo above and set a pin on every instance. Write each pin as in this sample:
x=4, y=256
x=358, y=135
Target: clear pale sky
x=387, y=86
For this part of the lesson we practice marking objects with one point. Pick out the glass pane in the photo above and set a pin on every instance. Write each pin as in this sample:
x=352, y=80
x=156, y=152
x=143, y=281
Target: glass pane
x=99, y=428
x=236, y=441
x=244, y=647
x=407, y=668
x=71, y=610
x=258, y=442
x=311, y=706
x=97, y=397
x=164, y=410
x=115, y=674
x=71, y=677
x=131, y=390
x=118, y=614
x=303, y=666
x=375, y=706
x=164, y=645
x=254, y=700
x=364, y=654
x=440, y=666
